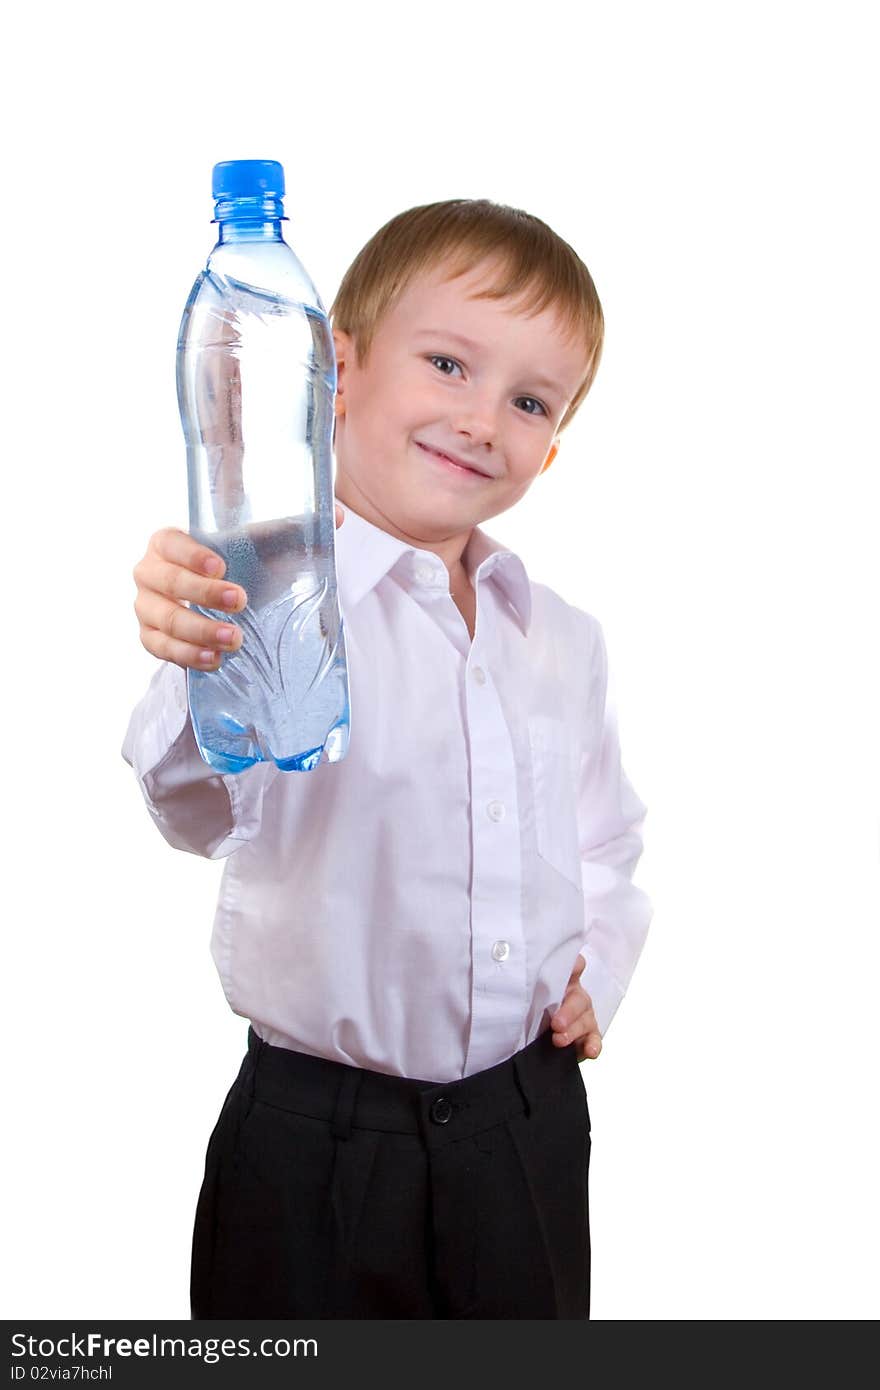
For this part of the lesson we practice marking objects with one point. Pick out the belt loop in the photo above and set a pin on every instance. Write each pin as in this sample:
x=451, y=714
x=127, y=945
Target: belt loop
x=255, y=1046
x=345, y=1098
x=520, y=1078
x=247, y=1080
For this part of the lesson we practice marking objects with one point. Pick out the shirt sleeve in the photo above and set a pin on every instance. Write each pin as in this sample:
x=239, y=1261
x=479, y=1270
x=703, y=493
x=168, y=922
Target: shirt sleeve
x=195, y=808
x=610, y=818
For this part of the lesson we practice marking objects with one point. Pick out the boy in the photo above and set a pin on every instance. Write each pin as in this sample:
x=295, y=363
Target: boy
x=408, y=1135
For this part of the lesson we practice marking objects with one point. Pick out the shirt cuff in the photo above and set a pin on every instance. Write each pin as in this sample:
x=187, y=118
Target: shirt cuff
x=604, y=991
x=160, y=736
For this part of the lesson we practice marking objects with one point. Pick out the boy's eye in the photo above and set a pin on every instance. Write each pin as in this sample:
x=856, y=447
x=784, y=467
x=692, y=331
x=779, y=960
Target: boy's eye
x=534, y=402
x=436, y=357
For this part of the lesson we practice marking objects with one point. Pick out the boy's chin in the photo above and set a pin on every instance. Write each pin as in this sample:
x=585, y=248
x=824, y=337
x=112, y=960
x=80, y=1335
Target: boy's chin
x=443, y=515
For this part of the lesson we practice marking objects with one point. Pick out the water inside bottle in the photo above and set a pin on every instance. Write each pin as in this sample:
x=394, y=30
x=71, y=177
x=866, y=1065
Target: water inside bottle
x=286, y=685
x=256, y=374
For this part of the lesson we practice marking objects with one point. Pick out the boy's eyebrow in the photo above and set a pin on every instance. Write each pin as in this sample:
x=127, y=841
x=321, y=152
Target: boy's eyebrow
x=469, y=343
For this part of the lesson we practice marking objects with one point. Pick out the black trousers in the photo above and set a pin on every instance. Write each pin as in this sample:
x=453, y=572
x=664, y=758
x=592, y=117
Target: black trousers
x=336, y=1192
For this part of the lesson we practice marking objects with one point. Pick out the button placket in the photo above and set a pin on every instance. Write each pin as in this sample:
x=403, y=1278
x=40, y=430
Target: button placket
x=498, y=962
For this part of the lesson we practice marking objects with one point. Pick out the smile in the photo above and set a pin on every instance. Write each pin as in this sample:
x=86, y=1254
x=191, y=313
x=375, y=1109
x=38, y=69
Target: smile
x=449, y=465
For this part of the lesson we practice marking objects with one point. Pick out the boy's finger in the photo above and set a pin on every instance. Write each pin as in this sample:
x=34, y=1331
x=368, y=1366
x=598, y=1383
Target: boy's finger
x=588, y=1044
x=576, y=1015
x=583, y=1025
x=575, y=1003
x=589, y=1047
x=187, y=586
x=180, y=548
x=167, y=648
x=185, y=625
x=583, y=1030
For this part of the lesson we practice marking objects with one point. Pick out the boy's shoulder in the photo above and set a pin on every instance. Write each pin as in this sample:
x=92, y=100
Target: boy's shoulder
x=567, y=645
x=566, y=666
x=554, y=615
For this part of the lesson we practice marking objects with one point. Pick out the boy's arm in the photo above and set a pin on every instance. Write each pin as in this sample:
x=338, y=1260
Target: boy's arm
x=610, y=817
x=194, y=807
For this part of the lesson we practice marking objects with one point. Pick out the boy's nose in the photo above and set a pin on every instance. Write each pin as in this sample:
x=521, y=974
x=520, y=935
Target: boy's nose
x=478, y=425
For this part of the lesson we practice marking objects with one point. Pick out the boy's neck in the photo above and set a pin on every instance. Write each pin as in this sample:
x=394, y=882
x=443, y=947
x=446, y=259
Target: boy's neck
x=451, y=549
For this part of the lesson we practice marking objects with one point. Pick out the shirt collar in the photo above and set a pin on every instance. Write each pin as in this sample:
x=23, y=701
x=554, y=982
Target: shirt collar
x=365, y=554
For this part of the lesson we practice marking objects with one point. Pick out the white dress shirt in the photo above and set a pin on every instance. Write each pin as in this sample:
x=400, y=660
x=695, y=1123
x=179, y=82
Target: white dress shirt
x=417, y=908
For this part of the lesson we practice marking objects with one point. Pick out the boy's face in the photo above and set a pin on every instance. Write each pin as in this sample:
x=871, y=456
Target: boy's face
x=493, y=403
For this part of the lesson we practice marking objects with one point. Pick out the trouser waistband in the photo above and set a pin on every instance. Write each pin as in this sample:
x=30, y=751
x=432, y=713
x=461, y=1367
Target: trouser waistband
x=442, y=1112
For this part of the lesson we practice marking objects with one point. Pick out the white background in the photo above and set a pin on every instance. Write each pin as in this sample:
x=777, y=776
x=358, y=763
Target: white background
x=713, y=505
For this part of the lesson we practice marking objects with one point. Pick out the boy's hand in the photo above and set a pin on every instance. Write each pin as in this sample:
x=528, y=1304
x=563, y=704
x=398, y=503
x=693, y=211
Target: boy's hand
x=177, y=570
x=575, y=1020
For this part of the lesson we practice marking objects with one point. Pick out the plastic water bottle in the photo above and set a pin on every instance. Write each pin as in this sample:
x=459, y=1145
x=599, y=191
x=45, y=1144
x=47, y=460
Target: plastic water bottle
x=256, y=380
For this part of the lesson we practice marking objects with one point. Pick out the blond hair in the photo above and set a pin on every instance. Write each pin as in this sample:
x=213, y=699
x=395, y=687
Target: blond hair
x=530, y=257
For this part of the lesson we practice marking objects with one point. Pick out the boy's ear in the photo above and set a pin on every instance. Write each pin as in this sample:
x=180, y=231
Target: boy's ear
x=550, y=457
x=343, y=346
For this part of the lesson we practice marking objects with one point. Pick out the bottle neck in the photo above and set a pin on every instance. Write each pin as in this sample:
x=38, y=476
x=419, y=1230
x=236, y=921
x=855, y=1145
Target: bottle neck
x=249, y=219
x=240, y=229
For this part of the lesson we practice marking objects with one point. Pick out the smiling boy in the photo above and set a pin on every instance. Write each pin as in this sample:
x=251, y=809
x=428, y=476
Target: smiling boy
x=413, y=406
x=406, y=930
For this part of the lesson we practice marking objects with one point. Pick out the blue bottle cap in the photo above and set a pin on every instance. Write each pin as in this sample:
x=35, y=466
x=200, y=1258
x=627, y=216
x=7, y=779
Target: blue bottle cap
x=248, y=178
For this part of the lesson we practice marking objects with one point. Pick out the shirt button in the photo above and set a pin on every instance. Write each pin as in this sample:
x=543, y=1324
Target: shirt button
x=479, y=675
x=501, y=950
x=495, y=809
x=441, y=1111
x=424, y=574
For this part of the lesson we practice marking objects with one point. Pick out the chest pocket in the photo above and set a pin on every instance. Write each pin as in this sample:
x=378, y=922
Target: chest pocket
x=553, y=779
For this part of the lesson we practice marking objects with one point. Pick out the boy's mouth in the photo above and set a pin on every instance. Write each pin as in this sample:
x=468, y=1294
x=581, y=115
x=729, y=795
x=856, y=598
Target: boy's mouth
x=456, y=465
